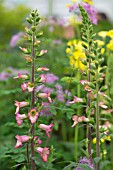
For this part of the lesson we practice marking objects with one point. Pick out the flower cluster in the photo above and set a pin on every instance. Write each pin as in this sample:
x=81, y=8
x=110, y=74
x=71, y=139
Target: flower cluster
x=84, y=161
x=76, y=54
x=104, y=35
x=88, y=6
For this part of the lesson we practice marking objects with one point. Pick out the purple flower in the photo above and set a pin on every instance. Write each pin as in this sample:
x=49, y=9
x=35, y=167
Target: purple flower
x=51, y=78
x=58, y=86
x=91, y=12
x=47, y=90
x=4, y=76
x=10, y=72
x=46, y=109
x=73, y=7
x=86, y=162
x=60, y=96
x=15, y=38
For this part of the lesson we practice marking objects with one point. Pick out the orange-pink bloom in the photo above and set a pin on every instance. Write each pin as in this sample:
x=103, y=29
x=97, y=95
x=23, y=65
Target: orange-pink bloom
x=19, y=118
x=44, y=153
x=77, y=119
x=47, y=128
x=21, y=139
x=76, y=100
x=20, y=105
x=33, y=115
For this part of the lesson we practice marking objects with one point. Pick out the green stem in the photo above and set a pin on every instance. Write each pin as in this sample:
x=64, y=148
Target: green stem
x=97, y=123
x=32, y=104
x=78, y=114
x=89, y=132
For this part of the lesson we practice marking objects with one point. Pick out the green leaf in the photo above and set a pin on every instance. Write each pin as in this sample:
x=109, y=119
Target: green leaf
x=69, y=114
x=85, y=167
x=53, y=110
x=97, y=159
x=71, y=165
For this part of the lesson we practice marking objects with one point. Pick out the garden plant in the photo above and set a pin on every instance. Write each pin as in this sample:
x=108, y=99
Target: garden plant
x=60, y=93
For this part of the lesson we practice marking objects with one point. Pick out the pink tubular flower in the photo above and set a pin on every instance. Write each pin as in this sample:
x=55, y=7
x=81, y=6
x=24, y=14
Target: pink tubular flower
x=24, y=86
x=33, y=115
x=42, y=69
x=44, y=153
x=44, y=96
x=77, y=119
x=19, y=118
x=22, y=76
x=23, y=49
x=102, y=105
x=42, y=52
x=83, y=82
x=87, y=88
x=30, y=87
x=20, y=105
x=47, y=128
x=76, y=100
x=42, y=78
x=21, y=139
x=37, y=140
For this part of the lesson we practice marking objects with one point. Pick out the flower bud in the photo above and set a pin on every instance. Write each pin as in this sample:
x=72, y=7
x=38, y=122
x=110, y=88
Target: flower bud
x=29, y=20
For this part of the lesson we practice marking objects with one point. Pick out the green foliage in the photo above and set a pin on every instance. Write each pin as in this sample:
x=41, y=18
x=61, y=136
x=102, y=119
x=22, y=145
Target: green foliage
x=11, y=21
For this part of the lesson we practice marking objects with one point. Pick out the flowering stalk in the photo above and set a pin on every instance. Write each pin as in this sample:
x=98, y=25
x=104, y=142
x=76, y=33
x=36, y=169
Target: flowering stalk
x=34, y=106
x=33, y=92
x=96, y=74
x=86, y=37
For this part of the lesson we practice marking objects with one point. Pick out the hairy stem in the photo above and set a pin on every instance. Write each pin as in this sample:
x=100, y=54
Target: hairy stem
x=32, y=104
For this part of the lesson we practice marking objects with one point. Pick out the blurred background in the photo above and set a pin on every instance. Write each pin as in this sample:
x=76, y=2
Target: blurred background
x=57, y=7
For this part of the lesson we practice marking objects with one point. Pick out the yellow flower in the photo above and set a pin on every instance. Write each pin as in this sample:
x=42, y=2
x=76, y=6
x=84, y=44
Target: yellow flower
x=69, y=43
x=110, y=33
x=110, y=45
x=102, y=50
x=77, y=54
x=68, y=50
x=94, y=141
x=108, y=138
x=88, y=1
x=100, y=43
x=102, y=140
x=74, y=42
x=102, y=34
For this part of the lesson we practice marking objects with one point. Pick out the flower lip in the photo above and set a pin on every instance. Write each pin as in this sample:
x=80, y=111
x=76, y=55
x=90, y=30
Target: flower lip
x=33, y=115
